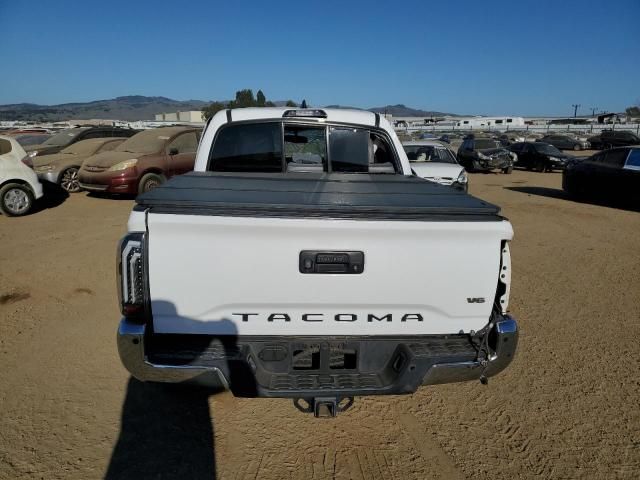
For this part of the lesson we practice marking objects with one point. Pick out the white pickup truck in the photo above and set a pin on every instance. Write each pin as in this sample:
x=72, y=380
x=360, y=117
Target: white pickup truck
x=302, y=259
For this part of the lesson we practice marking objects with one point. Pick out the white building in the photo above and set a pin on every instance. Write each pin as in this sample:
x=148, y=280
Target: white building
x=193, y=116
x=490, y=122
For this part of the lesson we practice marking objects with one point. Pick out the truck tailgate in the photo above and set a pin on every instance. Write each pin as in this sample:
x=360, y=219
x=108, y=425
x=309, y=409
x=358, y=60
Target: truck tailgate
x=224, y=256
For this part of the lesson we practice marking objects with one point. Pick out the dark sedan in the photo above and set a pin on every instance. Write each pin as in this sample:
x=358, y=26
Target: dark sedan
x=615, y=138
x=611, y=174
x=565, y=142
x=539, y=156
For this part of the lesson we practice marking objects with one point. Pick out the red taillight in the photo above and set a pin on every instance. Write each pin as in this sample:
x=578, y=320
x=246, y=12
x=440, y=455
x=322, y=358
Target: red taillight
x=27, y=161
x=132, y=284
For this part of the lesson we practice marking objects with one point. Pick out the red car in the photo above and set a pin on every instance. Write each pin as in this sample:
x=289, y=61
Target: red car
x=142, y=162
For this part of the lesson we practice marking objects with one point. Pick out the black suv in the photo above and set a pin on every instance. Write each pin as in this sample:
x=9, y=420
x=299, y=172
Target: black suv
x=484, y=154
x=614, y=138
x=539, y=156
x=64, y=138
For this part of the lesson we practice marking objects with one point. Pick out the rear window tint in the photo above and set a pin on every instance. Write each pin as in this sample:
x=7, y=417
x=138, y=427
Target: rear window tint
x=248, y=148
x=258, y=147
x=349, y=148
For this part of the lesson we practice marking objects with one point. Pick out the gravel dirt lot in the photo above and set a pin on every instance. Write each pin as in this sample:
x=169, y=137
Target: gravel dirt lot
x=566, y=408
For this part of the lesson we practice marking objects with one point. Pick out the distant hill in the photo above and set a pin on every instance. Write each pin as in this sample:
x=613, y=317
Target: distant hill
x=404, y=111
x=400, y=111
x=133, y=107
x=139, y=107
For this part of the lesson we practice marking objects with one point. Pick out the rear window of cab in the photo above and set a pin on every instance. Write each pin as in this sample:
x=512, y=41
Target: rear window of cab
x=280, y=147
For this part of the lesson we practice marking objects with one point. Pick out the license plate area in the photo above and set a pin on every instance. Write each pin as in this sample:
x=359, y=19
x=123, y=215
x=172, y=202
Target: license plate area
x=324, y=356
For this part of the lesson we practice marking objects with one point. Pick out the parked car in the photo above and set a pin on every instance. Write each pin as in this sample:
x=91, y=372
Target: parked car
x=539, y=156
x=484, y=154
x=30, y=139
x=532, y=136
x=611, y=174
x=427, y=136
x=616, y=138
x=62, y=168
x=434, y=162
x=303, y=259
x=596, y=142
x=142, y=162
x=72, y=135
x=565, y=142
x=507, y=139
x=19, y=185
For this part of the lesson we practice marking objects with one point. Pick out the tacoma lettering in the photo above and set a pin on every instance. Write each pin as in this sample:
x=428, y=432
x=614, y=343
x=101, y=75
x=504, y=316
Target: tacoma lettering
x=338, y=317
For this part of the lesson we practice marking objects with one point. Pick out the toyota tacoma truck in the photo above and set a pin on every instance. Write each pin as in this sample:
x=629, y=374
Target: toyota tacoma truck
x=303, y=259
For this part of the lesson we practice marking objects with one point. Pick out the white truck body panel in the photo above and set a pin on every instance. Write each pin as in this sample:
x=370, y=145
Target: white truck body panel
x=234, y=265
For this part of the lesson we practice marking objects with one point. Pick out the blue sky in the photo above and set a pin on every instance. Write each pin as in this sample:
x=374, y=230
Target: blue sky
x=489, y=57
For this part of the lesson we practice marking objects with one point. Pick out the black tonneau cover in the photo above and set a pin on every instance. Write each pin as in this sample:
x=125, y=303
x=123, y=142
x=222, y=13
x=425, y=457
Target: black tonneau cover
x=348, y=196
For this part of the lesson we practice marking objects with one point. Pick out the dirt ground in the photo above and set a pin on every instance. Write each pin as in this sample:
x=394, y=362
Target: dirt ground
x=566, y=408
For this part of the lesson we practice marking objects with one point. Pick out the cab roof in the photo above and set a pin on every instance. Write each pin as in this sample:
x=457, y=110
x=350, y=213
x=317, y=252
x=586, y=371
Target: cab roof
x=340, y=115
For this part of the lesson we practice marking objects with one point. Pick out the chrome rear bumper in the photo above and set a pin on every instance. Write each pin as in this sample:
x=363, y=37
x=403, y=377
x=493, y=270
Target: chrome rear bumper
x=425, y=363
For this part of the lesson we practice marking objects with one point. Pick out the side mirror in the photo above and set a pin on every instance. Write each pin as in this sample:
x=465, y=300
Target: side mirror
x=173, y=151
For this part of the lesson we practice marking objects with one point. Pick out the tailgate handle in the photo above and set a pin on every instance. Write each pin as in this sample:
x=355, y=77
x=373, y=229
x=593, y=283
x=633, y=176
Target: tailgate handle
x=319, y=261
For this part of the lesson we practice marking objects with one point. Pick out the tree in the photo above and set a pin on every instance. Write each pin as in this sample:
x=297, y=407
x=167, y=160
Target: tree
x=244, y=98
x=291, y=103
x=210, y=110
x=633, y=111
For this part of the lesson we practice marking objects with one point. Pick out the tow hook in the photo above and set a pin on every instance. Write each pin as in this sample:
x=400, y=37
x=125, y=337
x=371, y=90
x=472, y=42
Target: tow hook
x=323, y=407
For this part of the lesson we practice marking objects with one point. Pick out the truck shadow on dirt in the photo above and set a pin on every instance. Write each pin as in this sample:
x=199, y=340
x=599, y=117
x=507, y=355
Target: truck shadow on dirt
x=562, y=195
x=167, y=430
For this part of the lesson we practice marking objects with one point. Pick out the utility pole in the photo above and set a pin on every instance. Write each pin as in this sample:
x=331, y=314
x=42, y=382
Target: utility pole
x=593, y=111
x=575, y=109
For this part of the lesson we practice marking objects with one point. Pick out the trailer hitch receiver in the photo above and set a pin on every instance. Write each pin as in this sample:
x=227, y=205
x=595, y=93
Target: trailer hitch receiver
x=323, y=407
